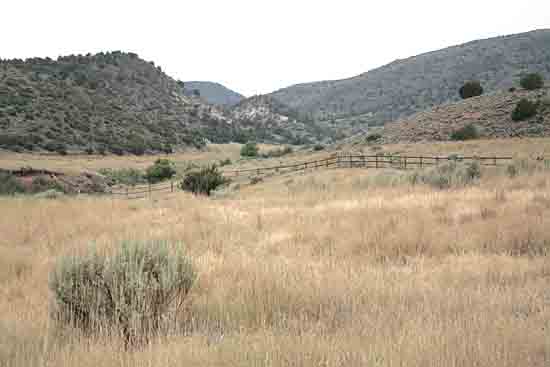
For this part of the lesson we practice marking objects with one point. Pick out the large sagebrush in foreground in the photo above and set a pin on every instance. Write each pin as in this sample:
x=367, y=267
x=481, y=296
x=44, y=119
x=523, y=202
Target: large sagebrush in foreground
x=130, y=293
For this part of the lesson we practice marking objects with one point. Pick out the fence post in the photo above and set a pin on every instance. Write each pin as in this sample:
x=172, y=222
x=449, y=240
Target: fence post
x=376, y=160
x=421, y=163
x=149, y=189
x=127, y=192
x=437, y=161
x=171, y=186
x=405, y=162
x=495, y=161
x=350, y=161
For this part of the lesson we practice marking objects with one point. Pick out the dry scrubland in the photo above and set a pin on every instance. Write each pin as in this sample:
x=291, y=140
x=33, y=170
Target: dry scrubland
x=331, y=268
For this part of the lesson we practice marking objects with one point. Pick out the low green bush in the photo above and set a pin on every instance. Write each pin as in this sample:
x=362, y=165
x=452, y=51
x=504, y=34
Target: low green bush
x=318, y=147
x=532, y=81
x=162, y=169
x=130, y=294
x=250, y=149
x=525, y=109
x=471, y=89
x=468, y=132
x=203, y=181
x=373, y=138
x=9, y=185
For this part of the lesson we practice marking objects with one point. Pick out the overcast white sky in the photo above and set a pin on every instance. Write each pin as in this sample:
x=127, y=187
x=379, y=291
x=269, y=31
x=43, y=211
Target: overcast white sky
x=257, y=46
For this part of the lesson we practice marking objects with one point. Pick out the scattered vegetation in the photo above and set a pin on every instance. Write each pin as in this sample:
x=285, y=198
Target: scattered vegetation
x=318, y=147
x=124, y=176
x=532, y=81
x=525, y=109
x=203, y=181
x=468, y=132
x=471, y=89
x=131, y=293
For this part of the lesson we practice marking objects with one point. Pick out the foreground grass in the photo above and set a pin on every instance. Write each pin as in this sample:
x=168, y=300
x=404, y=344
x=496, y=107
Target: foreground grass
x=314, y=270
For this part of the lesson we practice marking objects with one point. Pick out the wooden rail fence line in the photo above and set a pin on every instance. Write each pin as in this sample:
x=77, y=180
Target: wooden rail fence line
x=369, y=161
x=349, y=160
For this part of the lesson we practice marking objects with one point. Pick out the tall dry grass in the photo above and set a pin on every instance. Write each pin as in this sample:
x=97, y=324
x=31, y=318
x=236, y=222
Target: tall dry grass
x=323, y=269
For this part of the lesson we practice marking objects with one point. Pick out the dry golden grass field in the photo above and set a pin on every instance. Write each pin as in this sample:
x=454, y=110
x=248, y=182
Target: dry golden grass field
x=329, y=268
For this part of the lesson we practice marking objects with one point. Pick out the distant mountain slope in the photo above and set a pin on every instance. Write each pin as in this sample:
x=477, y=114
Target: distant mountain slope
x=214, y=93
x=491, y=114
x=109, y=102
x=411, y=85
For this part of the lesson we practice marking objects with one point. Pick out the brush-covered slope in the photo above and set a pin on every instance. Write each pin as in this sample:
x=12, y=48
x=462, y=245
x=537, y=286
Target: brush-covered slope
x=490, y=114
x=213, y=93
x=412, y=85
x=109, y=102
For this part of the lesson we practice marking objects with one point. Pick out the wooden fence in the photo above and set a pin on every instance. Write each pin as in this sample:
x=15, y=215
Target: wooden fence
x=341, y=160
x=354, y=160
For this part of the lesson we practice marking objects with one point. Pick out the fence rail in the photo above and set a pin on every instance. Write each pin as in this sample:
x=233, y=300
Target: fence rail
x=351, y=160
x=341, y=160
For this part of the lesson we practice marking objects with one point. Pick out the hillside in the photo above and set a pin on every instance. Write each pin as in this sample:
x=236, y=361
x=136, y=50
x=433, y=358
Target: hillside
x=269, y=120
x=490, y=114
x=407, y=86
x=109, y=102
x=213, y=93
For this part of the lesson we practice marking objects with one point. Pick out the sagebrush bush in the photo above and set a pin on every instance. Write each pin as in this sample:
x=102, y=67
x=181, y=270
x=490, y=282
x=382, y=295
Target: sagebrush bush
x=471, y=89
x=468, y=132
x=447, y=175
x=532, y=81
x=129, y=294
x=162, y=169
x=525, y=109
x=203, y=181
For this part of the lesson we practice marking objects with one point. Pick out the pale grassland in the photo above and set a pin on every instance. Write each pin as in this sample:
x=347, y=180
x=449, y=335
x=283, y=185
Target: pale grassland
x=321, y=269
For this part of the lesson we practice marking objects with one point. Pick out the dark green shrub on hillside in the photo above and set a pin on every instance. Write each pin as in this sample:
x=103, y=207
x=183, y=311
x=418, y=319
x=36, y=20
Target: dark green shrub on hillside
x=468, y=132
x=9, y=185
x=471, y=89
x=373, y=137
x=318, y=147
x=162, y=169
x=131, y=294
x=524, y=110
x=203, y=181
x=532, y=81
x=250, y=149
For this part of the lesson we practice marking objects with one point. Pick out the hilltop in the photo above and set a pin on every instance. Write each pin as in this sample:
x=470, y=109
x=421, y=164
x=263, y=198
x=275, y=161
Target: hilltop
x=213, y=93
x=404, y=87
x=108, y=102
